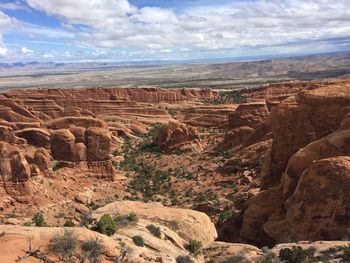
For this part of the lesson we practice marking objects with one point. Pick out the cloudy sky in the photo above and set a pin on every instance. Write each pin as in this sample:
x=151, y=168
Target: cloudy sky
x=124, y=30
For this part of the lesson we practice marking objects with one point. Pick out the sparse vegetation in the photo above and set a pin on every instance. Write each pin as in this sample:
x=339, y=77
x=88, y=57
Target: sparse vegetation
x=237, y=259
x=154, y=230
x=138, y=241
x=39, y=220
x=106, y=225
x=55, y=165
x=69, y=223
x=86, y=219
x=226, y=97
x=64, y=246
x=297, y=254
x=132, y=217
x=194, y=247
x=184, y=259
x=28, y=223
x=92, y=249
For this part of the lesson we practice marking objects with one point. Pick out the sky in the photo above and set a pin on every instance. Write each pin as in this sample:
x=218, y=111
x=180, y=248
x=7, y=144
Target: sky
x=132, y=30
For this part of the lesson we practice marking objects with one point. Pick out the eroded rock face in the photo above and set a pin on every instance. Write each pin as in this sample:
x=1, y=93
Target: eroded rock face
x=319, y=207
x=14, y=168
x=177, y=136
x=42, y=160
x=250, y=114
x=297, y=122
x=306, y=172
x=62, y=145
x=35, y=136
x=7, y=135
x=98, y=144
x=236, y=137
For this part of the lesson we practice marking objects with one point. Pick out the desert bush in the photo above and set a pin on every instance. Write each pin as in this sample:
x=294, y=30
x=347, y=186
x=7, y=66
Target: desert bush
x=93, y=249
x=345, y=253
x=55, y=165
x=27, y=223
x=69, y=223
x=86, y=219
x=64, y=246
x=184, y=259
x=138, y=241
x=106, y=225
x=39, y=220
x=297, y=254
x=132, y=217
x=236, y=259
x=154, y=230
x=195, y=247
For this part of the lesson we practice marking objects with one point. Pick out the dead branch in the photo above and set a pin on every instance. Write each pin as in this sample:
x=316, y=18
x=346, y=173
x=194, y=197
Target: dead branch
x=36, y=253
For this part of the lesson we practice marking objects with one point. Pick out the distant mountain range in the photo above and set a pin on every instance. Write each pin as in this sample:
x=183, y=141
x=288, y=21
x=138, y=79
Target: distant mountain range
x=110, y=65
x=209, y=73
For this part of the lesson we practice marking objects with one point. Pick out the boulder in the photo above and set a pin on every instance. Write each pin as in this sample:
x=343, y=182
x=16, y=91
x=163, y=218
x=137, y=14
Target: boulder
x=188, y=224
x=42, y=159
x=62, y=145
x=224, y=252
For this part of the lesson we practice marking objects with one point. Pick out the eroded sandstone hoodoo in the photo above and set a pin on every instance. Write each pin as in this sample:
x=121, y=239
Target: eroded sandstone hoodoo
x=177, y=136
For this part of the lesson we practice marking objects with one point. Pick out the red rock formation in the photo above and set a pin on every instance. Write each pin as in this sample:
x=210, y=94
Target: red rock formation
x=35, y=136
x=236, y=137
x=206, y=116
x=14, y=169
x=7, y=135
x=176, y=136
x=306, y=173
x=98, y=144
x=62, y=145
x=248, y=114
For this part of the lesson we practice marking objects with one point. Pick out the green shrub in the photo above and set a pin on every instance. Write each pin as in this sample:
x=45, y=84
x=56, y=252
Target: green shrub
x=296, y=254
x=154, y=230
x=184, y=259
x=28, y=223
x=138, y=241
x=69, y=223
x=64, y=246
x=132, y=217
x=55, y=165
x=39, y=220
x=345, y=253
x=93, y=249
x=195, y=247
x=106, y=225
x=236, y=259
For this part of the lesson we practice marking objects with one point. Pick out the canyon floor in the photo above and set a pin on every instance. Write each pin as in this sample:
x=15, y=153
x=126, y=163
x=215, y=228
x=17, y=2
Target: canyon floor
x=176, y=175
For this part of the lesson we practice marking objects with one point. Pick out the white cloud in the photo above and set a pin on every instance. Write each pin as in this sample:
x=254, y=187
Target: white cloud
x=4, y=22
x=236, y=26
x=17, y=5
x=25, y=50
